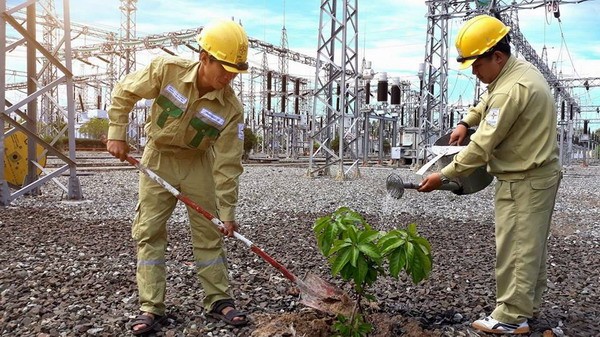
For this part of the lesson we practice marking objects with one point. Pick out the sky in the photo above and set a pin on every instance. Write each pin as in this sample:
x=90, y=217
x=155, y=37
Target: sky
x=392, y=33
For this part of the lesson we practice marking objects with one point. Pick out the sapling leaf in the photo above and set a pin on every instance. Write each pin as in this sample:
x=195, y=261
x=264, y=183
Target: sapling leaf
x=365, y=328
x=329, y=235
x=352, y=233
x=390, y=236
x=368, y=235
x=371, y=275
x=321, y=223
x=424, y=244
x=397, y=260
x=389, y=243
x=341, y=260
x=370, y=250
x=410, y=253
x=355, y=255
x=339, y=244
x=421, y=266
x=348, y=272
x=412, y=229
x=361, y=270
x=339, y=223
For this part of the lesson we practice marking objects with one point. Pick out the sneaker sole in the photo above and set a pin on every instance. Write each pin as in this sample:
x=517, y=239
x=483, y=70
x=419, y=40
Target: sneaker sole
x=483, y=328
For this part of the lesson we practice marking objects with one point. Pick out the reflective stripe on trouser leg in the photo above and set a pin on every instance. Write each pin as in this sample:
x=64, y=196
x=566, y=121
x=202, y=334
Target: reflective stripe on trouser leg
x=211, y=263
x=207, y=240
x=149, y=231
x=523, y=213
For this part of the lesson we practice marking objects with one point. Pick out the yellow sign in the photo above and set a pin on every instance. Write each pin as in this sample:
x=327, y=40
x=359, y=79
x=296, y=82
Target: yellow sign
x=15, y=158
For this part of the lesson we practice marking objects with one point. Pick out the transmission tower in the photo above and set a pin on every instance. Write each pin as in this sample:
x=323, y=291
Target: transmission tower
x=128, y=33
x=336, y=86
x=433, y=75
x=51, y=119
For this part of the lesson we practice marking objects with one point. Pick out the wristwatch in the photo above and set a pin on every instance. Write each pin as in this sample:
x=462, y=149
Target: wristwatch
x=445, y=180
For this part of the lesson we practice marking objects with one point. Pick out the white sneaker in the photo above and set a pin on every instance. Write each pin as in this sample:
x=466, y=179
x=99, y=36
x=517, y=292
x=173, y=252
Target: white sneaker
x=491, y=325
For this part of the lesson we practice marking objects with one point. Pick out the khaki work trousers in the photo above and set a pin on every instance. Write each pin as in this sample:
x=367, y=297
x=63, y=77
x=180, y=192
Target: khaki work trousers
x=523, y=212
x=192, y=175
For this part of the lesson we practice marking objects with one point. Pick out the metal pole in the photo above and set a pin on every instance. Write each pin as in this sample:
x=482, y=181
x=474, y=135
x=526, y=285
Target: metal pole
x=562, y=143
x=4, y=190
x=74, y=186
x=31, y=105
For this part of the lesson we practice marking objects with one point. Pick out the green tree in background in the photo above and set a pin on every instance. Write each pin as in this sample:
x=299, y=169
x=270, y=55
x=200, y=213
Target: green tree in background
x=250, y=141
x=95, y=128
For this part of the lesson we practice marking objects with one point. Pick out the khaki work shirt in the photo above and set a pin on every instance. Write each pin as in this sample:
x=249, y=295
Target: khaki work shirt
x=182, y=122
x=516, y=132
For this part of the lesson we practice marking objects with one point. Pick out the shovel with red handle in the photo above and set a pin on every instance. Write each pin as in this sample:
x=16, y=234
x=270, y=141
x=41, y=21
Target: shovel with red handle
x=314, y=291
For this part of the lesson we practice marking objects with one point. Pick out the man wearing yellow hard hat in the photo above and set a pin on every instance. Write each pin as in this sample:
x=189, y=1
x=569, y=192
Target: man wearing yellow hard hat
x=516, y=138
x=195, y=142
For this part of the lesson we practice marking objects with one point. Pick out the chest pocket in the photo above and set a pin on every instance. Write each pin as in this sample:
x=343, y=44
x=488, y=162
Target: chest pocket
x=169, y=110
x=202, y=130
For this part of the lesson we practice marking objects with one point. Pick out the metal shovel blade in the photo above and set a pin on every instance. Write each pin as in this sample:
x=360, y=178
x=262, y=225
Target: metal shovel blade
x=324, y=296
x=314, y=291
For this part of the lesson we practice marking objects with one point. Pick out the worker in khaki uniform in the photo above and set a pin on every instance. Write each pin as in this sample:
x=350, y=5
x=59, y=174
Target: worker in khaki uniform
x=516, y=138
x=195, y=143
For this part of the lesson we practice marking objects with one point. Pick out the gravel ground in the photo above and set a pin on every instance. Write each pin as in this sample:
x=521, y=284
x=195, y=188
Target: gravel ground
x=67, y=268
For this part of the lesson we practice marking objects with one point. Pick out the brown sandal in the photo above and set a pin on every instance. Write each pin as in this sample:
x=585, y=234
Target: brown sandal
x=229, y=318
x=152, y=323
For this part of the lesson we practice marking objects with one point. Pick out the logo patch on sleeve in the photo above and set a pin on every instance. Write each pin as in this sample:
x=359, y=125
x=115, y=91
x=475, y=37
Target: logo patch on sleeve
x=241, y=131
x=493, y=116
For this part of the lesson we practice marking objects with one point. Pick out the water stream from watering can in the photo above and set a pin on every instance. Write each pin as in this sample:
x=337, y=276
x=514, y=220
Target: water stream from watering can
x=387, y=211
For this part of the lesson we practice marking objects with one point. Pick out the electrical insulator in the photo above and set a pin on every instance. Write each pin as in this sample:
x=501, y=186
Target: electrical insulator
x=571, y=112
x=585, y=126
x=284, y=93
x=395, y=97
x=297, y=96
x=337, y=100
x=269, y=86
x=553, y=7
x=382, y=88
x=367, y=92
x=562, y=111
x=284, y=83
x=269, y=80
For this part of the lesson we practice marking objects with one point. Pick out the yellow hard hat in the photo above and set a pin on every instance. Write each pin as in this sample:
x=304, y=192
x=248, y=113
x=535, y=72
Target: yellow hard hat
x=477, y=36
x=227, y=43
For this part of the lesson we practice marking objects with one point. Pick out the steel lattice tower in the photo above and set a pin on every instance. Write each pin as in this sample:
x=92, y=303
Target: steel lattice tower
x=336, y=86
x=51, y=118
x=433, y=107
x=128, y=33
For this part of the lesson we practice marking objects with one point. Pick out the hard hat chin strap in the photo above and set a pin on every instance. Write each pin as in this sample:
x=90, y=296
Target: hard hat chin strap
x=239, y=66
x=473, y=57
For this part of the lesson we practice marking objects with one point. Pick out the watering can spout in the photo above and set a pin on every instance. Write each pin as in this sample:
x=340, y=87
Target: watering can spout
x=474, y=182
x=395, y=186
